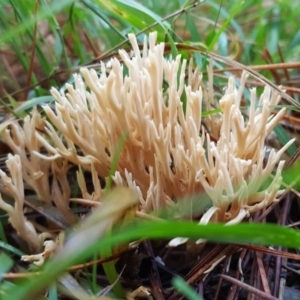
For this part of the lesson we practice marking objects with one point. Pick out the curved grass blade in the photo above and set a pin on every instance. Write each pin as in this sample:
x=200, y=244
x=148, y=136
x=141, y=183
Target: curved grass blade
x=135, y=14
x=87, y=239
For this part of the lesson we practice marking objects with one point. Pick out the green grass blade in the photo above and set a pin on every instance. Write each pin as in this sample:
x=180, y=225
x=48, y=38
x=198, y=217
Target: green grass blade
x=216, y=36
x=4, y=245
x=101, y=14
x=30, y=104
x=109, y=267
x=53, y=295
x=260, y=234
x=182, y=287
x=136, y=14
x=45, y=12
x=283, y=138
x=115, y=161
x=5, y=264
x=234, y=24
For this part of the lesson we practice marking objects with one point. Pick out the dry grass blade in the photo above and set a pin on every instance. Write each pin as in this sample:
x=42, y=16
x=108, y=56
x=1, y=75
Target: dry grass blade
x=270, y=251
x=92, y=229
x=96, y=224
x=70, y=287
x=240, y=66
x=258, y=77
x=274, y=66
x=235, y=66
x=248, y=288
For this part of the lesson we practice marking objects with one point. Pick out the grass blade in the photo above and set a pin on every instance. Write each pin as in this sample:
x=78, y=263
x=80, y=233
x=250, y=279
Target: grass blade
x=84, y=243
x=181, y=286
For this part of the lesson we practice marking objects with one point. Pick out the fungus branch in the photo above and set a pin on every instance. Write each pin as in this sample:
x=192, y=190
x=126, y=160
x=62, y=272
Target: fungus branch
x=15, y=188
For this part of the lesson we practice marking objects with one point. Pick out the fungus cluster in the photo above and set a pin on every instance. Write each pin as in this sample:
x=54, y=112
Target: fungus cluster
x=167, y=154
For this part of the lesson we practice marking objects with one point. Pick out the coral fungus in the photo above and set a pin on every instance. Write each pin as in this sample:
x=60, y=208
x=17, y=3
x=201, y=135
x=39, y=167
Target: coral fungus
x=167, y=154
